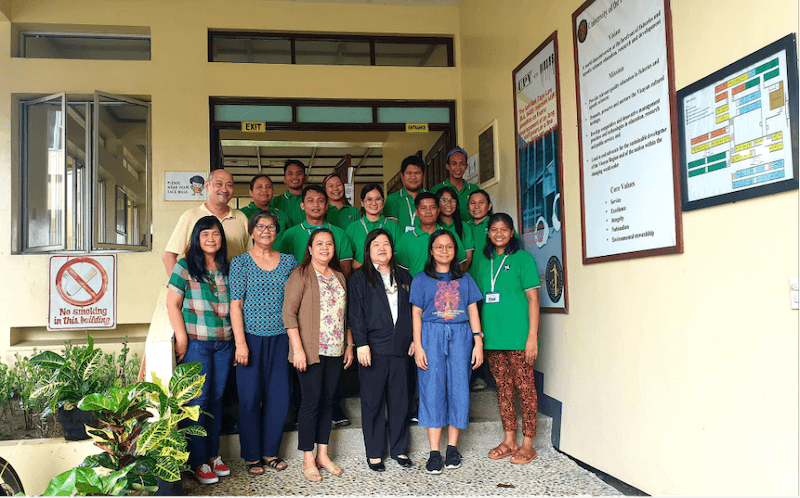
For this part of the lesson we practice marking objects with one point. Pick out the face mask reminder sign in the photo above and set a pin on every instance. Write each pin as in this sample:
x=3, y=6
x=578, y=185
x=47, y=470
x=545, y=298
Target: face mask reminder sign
x=83, y=293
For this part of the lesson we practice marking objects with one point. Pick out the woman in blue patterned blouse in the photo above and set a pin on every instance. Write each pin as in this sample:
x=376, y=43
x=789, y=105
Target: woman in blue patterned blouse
x=257, y=280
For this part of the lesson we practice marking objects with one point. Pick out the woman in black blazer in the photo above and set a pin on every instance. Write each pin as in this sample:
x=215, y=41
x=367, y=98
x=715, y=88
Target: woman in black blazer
x=380, y=319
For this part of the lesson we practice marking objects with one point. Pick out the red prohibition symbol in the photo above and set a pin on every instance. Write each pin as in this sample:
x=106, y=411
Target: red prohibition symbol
x=94, y=296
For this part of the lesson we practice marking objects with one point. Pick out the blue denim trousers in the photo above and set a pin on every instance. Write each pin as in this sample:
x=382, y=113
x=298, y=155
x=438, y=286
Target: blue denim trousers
x=216, y=358
x=444, y=386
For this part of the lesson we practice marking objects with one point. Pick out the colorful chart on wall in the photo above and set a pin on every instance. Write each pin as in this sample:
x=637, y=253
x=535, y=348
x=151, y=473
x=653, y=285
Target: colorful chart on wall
x=537, y=118
x=630, y=180
x=738, y=129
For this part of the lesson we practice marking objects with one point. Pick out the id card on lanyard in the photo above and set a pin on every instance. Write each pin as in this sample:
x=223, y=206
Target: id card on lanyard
x=494, y=297
x=411, y=214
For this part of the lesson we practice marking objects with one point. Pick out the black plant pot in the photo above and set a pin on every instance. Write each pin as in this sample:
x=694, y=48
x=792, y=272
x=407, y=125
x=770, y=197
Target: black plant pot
x=166, y=488
x=73, y=423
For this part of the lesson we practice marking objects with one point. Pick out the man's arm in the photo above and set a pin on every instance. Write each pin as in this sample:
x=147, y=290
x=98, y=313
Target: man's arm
x=169, y=259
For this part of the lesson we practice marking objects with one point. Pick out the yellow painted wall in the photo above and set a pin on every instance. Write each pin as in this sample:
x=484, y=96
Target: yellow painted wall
x=178, y=81
x=677, y=374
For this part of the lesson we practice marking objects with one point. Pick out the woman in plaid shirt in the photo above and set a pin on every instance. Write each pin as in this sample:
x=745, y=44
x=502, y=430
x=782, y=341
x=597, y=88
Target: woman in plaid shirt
x=198, y=306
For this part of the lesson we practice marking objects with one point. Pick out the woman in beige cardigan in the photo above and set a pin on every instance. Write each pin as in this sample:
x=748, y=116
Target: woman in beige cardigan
x=314, y=310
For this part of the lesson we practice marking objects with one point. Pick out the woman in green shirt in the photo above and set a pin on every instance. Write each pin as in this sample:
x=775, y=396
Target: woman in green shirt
x=509, y=281
x=450, y=220
x=372, y=204
x=340, y=212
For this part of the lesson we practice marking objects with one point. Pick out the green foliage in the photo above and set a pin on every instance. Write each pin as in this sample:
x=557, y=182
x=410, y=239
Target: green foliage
x=20, y=381
x=138, y=430
x=82, y=370
x=86, y=481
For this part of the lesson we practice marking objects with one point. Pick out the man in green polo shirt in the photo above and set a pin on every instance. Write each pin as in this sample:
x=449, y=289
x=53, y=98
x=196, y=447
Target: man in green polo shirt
x=295, y=240
x=412, y=248
x=456, y=165
x=294, y=176
x=261, y=190
x=400, y=205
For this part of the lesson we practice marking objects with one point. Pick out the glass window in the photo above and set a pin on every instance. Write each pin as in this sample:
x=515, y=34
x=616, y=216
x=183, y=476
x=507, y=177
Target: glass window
x=332, y=52
x=85, y=46
x=411, y=54
x=413, y=115
x=44, y=174
x=59, y=167
x=247, y=49
x=330, y=114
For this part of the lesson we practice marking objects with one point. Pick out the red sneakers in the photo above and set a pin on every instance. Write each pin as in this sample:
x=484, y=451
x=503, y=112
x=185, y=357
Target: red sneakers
x=219, y=468
x=204, y=474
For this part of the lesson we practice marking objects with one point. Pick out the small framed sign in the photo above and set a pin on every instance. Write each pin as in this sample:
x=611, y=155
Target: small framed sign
x=488, y=155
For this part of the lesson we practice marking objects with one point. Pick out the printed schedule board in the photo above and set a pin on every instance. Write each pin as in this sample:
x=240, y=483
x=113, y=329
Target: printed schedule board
x=630, y=183
x=738, y=129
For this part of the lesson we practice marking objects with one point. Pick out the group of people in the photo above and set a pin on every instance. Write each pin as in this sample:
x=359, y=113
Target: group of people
x=417, y=288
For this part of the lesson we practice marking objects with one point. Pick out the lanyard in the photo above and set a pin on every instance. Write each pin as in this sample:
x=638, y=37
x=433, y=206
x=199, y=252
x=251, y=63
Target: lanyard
x=411, y=213
x=493, y=274
x=313, y=227
x=367, y=229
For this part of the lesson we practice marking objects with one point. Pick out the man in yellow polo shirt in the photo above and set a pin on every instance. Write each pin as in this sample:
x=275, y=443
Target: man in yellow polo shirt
x=220, y=190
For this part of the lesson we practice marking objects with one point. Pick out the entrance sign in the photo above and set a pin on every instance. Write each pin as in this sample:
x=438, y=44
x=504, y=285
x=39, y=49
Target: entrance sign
x=417, y=128
x=630, y=197
x=738, y=129
x=83, y=293
x=537, y=119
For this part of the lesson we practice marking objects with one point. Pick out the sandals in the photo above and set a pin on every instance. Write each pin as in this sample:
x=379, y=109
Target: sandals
x=333, y=468
x=501, y=451
x=523, y=458
x=312, y=474
x=250, y=466
x=275, y=463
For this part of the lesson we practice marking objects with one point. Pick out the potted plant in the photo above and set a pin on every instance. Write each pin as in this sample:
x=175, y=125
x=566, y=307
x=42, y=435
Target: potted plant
x=66, y=380
x=139, y=434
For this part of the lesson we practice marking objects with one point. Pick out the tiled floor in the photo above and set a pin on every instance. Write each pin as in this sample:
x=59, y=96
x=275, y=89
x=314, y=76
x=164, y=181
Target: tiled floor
x=551, y=474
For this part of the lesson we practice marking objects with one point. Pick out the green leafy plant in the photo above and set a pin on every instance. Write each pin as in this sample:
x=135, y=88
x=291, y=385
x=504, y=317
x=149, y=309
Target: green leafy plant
x=139, y=432
x=66, y=380
x=86, y=481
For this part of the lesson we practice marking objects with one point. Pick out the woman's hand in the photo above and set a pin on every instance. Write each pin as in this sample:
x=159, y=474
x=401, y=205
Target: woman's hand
x=181, y=345
x=420, y=357
x=411, y=349
x=477, y=356
x=242, y=354
x=364, y=356
x=348, y=356
x=531, y=350
x=299, y=360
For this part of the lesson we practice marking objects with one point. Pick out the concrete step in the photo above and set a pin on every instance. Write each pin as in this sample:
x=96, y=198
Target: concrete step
x=484, y=433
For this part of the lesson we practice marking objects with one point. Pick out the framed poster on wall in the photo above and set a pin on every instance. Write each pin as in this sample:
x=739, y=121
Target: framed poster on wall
x=738, y=129
x=488, y=156
x=627, y=130
x=540, y=187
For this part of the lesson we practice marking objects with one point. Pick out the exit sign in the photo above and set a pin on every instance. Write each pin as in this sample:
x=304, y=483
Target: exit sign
x=254, y=126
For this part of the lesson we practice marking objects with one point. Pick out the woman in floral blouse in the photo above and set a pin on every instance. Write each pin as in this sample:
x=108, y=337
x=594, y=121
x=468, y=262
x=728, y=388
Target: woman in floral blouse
x=314, y=309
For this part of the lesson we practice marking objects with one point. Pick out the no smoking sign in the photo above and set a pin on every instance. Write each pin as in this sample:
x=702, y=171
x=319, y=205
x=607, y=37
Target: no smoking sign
x=83, y=293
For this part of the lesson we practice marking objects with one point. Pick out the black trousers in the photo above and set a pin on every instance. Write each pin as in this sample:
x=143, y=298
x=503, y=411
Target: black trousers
x=412, y=387
x=317, y=386
x=384, y=388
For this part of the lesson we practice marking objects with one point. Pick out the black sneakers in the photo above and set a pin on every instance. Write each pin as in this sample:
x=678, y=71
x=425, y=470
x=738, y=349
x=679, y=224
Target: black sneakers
x=453, y=459
x=434, y=465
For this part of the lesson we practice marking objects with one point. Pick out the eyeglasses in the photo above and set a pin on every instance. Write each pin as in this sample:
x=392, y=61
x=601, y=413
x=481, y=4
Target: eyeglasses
x=379, y=200
x=268, y=228
x=447, y=201
x=440, y=248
